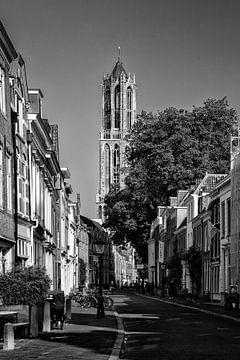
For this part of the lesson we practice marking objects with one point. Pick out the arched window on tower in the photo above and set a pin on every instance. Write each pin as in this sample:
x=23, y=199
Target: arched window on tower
x=117, y=106
x=100, y=212
x=107, y=109
x=116, y=165
x=106, y=168
x=129, y=107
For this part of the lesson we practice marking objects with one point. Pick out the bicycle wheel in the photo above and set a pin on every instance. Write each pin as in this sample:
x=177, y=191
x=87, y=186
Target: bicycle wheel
x=107, y=302
x=94, y=302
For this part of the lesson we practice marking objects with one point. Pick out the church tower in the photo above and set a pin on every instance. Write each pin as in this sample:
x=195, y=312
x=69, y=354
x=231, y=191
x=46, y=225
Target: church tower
x=118, y=117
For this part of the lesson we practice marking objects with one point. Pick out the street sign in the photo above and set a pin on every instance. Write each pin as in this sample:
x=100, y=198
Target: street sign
x=140, y=266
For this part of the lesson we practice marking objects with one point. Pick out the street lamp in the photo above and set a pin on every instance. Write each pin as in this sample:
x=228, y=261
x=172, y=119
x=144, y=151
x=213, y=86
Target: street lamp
x=99, y=249
x=163, y=280
x=152, y=270
x=121, y=281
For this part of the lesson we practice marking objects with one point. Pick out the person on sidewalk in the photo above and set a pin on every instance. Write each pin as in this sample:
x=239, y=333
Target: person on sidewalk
x=171, y=289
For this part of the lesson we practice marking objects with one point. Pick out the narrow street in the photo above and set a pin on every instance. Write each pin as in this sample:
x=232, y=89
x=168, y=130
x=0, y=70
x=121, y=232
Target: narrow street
x=159, y=330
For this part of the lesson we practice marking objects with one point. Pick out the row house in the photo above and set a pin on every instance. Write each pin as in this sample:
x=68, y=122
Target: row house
x=155, y=255
x=211, y=236
x=193, y=220
x=92, y=232
x=44, y=169
x=8, y=236
x=84, y=253
x=39, y=222
x=125, y=272
x=20, y=162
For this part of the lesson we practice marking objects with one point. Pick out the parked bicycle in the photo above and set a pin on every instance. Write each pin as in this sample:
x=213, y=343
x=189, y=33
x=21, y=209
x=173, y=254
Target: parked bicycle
x=91, y=300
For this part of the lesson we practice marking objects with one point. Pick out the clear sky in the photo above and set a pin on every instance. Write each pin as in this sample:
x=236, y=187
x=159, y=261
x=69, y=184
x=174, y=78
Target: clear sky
x=182, y=52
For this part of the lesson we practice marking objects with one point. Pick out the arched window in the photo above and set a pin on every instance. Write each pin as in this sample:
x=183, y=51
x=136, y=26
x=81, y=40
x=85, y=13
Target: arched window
x=100, y=212
x=116, y=164
x=129, y=107
x=129, y=98
x=106, y=168
x=117, y=106
x=107, y=109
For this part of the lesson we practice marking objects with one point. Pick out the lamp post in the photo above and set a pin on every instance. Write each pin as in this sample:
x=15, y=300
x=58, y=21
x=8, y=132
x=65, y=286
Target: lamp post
x=152, y=270
x=99, y=248
x=163, y=280
x=121, y=285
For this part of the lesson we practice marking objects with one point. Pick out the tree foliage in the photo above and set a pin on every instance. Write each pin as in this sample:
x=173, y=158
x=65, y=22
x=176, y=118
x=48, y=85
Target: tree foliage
x=175, y=268
x=194, y=263
x=82, y=272
x=29, y=286
x=168, y=151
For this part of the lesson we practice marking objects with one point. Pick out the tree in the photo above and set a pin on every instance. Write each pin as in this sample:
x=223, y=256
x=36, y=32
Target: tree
x=168, y=151
x=194, y=263
x=175, y=268
x=82, y=272
x=29, y=286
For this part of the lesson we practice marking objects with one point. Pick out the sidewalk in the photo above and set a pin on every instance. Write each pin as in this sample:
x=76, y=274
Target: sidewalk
x=83, y=337
x=210, y=307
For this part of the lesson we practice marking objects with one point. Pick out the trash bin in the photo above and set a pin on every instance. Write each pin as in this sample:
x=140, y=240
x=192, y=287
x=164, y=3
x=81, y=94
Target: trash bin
x=231, y=301
x=57, y=313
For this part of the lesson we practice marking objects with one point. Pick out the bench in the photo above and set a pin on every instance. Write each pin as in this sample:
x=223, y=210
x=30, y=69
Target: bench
x=9, y=328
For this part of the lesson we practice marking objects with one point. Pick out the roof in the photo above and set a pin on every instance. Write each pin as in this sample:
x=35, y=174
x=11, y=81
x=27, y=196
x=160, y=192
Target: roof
x=118, y=70
x=209, y=182
x=91, y=223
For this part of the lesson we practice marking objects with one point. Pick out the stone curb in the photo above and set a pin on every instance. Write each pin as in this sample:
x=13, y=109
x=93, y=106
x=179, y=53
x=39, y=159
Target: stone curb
x=192, y=307
x=115, y=355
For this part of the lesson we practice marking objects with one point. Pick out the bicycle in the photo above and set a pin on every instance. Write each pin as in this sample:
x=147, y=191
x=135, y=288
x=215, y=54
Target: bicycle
x=91, y=300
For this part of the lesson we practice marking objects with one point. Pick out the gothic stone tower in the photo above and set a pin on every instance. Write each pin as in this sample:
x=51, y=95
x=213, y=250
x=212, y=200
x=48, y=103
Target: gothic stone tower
x=118, y=117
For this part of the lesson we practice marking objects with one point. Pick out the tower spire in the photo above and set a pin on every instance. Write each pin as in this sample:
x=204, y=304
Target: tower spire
x=119, y=53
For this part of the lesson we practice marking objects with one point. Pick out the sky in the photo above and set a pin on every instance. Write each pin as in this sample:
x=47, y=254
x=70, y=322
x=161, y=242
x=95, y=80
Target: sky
x=181, y=51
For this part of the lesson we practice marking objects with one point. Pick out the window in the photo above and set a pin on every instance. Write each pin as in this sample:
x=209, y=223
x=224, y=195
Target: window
x=129, y=119
x=215, y=247
x=117, y=107
x=107, y=109
x=223, y=218
x=129, y=108
x=9, y=184
x=22, y=248
x=100, y=212
x=215, y=279
x=228, y=216
x=107, y=168
x=129, y=98
x=116, y=165
x=23, y=186
x=2, y=91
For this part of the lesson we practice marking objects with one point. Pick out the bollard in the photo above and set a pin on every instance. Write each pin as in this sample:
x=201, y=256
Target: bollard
x=68, y=309
x=8, y=343
x=46, y=317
